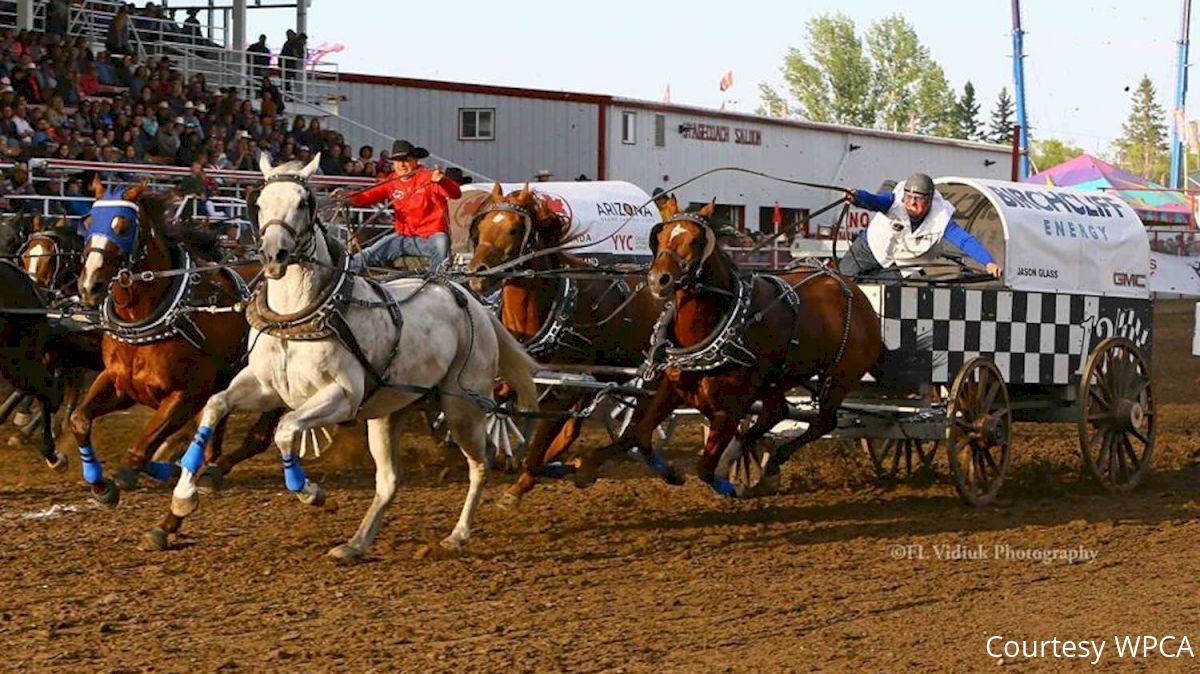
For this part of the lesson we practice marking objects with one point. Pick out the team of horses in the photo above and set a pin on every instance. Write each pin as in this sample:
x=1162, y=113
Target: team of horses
x=305, y=342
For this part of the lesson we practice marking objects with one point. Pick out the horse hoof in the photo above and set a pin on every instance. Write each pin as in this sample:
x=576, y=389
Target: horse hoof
x=182, y=507
x=107, y=494
x=509, y=501
x=345, y=554
x=674, y=478
x=769, y=485
x=125, y=478
x=312, y=495
x=60, y=464
x=452, y=545
x=154, y=540
x=211, y=481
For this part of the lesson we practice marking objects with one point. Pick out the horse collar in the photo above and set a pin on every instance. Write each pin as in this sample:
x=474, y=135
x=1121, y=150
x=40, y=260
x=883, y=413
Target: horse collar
x=558, y=324
x=169, y=319
x=722, y=347
x=310, y=323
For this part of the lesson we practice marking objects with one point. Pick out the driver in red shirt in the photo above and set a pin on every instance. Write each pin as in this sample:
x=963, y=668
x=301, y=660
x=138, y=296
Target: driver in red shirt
x=419, y=199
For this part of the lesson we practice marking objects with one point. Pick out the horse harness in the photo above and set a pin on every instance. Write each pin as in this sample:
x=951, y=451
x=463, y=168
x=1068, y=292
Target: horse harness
x=173, y=317
x=62, y=274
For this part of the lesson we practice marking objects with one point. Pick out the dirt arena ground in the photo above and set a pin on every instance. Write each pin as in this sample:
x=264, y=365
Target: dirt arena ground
x=839, y=573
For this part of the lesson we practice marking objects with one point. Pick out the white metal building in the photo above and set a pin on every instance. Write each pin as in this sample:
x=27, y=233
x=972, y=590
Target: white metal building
x=510, y=134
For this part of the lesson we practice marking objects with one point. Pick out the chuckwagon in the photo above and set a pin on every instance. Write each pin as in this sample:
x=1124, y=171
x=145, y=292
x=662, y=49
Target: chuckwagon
x=1064, y=336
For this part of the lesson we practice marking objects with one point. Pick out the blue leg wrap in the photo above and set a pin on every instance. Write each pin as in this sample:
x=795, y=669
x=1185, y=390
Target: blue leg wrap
x=556, y=470
x=193, y=459
x=658, y=465
x=293, y=474
x=160, y=471
x=93, y=472
x=724, y=487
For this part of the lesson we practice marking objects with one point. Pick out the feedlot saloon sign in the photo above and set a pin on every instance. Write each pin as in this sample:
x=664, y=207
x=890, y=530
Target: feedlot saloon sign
x=719, y=133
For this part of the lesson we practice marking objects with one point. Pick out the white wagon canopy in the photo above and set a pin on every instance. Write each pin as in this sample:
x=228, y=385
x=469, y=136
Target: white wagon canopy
x=1055, y=239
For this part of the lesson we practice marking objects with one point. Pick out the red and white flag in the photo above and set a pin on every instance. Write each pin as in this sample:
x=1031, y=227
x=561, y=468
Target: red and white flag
x=667, y=94
x=727, y=81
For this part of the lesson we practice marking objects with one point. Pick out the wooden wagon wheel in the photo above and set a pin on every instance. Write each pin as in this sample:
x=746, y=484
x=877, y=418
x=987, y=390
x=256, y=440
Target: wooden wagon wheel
x=978, y=431
x=1117, y=414
x=888, y=455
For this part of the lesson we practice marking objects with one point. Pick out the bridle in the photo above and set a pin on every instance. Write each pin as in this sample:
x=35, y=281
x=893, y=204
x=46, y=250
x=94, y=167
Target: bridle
x=59, y=271
x=505, y=207
x=129, y=251
x=688, y=271
x=305, y=241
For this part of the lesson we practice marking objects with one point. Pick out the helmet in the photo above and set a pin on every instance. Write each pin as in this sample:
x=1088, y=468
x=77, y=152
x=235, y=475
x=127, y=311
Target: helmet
x=919, y=183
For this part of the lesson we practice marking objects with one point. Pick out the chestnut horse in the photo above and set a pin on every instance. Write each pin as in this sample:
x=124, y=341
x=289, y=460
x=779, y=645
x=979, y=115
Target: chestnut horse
x=52, y=256
x=172, y=339
x=737, y=339
x=600, y=321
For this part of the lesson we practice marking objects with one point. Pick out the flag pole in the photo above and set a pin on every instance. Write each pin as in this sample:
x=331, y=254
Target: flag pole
x=1180, y=94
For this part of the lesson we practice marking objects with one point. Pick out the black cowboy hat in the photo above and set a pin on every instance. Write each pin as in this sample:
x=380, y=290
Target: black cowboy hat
x=403, y=148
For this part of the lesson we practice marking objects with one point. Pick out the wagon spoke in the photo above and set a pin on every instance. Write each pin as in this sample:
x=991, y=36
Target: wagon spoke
x=1128, y=447
x=1097, y=392
x=1140, y=436
x=991, y=396
x=1103, y=455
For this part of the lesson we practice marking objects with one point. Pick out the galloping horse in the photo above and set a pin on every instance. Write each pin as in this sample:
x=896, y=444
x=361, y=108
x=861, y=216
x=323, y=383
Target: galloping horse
x=737, y=339
x=330, y=346
x=559, y=320
x=173, y=334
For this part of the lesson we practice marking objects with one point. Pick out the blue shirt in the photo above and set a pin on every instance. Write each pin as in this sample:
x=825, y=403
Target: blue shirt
x=955, y=234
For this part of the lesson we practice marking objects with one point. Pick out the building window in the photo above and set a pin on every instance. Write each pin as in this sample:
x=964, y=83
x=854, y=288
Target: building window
x=733, y=215
x=476, y=124
x=660, y=131
x=629, y=127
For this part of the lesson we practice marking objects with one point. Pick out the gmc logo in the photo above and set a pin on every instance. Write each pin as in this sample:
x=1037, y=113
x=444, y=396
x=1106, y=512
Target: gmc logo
x=1121, y=279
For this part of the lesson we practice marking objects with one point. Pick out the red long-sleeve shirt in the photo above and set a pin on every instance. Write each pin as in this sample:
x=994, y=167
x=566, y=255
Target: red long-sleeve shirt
x=418, y=204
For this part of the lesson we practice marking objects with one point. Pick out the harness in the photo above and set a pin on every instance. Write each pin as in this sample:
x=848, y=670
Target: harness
x=62, y=274
x=724, y=346
x=172, y=317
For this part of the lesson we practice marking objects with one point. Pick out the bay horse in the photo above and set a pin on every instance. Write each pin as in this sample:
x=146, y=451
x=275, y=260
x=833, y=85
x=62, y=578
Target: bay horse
x=736, y=339
x=560, y=320
x=173, y=335
x=52, y=256
x=330, y=346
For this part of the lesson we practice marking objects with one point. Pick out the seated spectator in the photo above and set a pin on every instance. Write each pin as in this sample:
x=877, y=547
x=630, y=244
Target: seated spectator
x=80, y=204
x=55, y=112
x=89, y=83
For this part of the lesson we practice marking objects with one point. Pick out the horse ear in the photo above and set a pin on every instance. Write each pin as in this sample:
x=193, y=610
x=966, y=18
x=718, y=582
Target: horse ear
x=308, y=171
x=707, y=210
x=264, y=164
x=97, y=187
x=36, y=224
x=497, y=191
x=524, y=195
x=136, y=191
x=61, y=223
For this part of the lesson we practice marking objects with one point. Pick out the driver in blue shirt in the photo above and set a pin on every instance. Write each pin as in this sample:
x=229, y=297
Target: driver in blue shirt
x=907, y=231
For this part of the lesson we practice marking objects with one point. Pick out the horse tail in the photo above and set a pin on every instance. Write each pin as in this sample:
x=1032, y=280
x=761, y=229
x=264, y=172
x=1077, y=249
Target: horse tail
x=516, y=366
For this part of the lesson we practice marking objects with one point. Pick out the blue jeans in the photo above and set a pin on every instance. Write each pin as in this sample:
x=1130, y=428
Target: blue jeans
x=385, y=251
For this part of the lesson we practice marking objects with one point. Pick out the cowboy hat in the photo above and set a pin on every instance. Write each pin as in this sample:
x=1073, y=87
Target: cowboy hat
x=403, y=148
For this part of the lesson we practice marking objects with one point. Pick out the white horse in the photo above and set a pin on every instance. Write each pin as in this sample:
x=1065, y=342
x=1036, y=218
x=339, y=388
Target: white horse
x=448, y=342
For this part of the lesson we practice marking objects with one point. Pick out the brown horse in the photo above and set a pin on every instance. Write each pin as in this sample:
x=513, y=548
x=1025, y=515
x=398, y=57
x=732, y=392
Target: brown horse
x=738, y=339
x=172, y=338
x=559, y=320
x=52, y=256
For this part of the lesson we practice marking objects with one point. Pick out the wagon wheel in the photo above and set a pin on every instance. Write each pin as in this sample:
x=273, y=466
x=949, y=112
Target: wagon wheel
x=746, y=465
x=506, y=436
x=618, y=414
x=888, y=455
x=978, y=429
x=1116, y=422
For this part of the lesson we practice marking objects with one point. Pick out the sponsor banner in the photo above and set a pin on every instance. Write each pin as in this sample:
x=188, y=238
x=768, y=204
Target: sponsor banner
x=1174, y=274
x=609, y=215
x=1056, y=239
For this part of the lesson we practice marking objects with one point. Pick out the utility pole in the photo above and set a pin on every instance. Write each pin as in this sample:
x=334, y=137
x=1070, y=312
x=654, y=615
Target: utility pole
x=1019, y=86
x=1177, y=117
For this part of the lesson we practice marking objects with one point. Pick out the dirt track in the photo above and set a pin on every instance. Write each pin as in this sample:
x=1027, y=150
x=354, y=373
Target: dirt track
x=632, y=575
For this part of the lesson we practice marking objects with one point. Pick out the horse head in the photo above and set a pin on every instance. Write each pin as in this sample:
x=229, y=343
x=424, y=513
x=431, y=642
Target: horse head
x=50, y=254
x=681, y=244
x=112, y=238
x=285, y=213
x=508, y=227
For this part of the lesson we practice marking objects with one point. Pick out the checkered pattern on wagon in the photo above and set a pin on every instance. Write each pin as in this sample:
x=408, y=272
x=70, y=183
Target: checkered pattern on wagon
x=1034, y=338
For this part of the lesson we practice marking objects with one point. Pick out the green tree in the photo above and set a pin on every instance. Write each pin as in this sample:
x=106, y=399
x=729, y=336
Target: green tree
x=1142, y=148
x=832, y=82
x=1001, y=128
x=1052, y=152
x=966, y=114
x=893, y=83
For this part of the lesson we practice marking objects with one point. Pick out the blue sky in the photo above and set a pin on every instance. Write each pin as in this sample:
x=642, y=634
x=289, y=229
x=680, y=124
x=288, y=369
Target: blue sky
x=1080, y=56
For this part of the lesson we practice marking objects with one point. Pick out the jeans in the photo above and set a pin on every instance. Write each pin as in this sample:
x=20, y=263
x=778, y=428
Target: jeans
x=859, y=261
x=384, y=252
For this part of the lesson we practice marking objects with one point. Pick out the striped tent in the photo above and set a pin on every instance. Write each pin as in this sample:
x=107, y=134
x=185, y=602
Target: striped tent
x=1155, y=204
